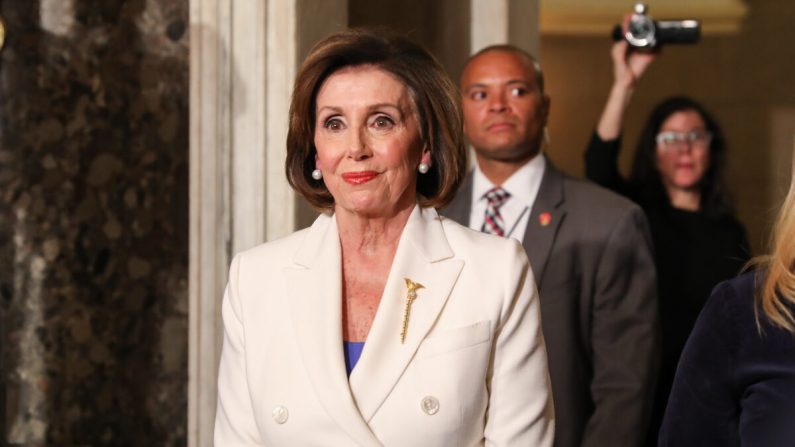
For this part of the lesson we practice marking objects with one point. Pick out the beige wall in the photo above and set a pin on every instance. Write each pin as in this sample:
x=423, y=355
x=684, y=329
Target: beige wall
x=441, y=25
x=747, y=80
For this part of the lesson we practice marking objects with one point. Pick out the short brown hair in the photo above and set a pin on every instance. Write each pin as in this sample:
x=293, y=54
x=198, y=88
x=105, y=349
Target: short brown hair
x=435, y=98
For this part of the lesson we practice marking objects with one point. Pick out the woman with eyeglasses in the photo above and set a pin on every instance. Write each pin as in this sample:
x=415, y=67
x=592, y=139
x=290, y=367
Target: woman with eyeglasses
x=677, y=177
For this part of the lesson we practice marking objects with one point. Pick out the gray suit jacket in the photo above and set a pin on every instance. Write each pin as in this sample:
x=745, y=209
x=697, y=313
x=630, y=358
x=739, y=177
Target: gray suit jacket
x=591, y=253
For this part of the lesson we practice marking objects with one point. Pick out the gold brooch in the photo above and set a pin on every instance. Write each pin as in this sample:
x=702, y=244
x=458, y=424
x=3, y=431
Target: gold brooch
x=411, y=295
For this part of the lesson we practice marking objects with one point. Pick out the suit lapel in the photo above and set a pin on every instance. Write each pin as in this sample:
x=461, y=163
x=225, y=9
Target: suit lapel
x=424, y=256
x=314, y=291
x=461, y=206
x=545, y=219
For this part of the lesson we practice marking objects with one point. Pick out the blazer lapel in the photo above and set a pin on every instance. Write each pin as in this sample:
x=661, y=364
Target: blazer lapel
x=545, y=219
x=314, y=286
x=424, y=256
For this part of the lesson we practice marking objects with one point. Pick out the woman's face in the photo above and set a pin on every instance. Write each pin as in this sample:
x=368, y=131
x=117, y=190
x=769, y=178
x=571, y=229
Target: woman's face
x=683, y=150
x=368, y=141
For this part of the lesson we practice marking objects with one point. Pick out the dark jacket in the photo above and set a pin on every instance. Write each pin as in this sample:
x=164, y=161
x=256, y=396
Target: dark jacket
x=734, y=385
x=591, y=255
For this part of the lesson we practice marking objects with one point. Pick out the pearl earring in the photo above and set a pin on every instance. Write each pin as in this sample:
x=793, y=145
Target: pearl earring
x=424, y=168
x=317, y=175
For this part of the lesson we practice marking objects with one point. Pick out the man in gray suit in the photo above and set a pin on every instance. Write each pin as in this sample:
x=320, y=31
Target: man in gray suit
x=589, y=248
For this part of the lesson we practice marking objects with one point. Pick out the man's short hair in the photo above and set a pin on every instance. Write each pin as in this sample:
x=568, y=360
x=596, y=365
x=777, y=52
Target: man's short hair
x=508, y=48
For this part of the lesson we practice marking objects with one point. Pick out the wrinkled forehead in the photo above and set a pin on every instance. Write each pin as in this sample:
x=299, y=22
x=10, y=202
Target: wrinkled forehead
x=371, y=82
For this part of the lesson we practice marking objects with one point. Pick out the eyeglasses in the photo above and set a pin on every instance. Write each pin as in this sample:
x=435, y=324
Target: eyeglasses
x=677, y=140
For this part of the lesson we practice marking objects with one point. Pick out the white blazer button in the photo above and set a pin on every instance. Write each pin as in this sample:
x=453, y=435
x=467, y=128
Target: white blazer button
x=430, y=405
x=280, y=414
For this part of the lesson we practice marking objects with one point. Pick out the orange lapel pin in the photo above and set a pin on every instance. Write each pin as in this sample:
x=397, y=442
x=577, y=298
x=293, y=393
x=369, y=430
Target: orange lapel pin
x=544, y=219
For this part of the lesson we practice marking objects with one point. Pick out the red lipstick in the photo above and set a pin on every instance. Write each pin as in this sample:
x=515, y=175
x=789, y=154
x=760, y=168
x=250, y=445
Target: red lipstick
x=359, y=177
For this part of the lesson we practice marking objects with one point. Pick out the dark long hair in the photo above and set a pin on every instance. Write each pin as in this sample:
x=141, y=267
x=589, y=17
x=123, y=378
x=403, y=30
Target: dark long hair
x=646, y=177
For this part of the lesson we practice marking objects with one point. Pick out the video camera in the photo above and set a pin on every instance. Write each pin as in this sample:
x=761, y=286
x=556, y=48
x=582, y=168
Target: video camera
x=645, y=33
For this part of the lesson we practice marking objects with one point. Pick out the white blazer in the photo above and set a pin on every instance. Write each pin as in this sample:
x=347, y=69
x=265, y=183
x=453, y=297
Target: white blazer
x=472, y=370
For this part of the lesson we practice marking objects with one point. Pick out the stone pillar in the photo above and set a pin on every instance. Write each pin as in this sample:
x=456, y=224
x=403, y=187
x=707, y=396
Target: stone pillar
x=93, y=222
x=244, y=56
x=505, y=21
x=211, y=71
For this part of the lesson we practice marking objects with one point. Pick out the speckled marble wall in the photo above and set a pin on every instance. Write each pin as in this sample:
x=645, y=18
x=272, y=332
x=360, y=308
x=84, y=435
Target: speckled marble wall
x=93, y=222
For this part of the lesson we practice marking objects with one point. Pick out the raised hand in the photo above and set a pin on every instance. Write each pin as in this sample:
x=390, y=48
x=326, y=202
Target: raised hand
x=629, y=64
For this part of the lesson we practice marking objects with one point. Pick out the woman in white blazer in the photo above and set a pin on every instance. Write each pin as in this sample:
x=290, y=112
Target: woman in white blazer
x=445, y=319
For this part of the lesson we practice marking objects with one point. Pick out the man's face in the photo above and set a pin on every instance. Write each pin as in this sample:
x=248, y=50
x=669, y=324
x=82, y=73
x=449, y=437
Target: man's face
x=504, y=113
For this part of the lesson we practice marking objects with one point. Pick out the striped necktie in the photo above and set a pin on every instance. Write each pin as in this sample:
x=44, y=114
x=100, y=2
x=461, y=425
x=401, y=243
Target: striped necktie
x=492, y=219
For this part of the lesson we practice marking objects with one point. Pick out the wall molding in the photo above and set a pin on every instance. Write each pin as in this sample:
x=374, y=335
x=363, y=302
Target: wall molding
x=588, y=17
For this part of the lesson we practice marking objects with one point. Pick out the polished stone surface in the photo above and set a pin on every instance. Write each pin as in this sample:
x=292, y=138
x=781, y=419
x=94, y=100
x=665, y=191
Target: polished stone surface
x=93, y=222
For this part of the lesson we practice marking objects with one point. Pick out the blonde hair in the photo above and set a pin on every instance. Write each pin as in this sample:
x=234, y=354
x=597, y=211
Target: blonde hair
x=777, y=291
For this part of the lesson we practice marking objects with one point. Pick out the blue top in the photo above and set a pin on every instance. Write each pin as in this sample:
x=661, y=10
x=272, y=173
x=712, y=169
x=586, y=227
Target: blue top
x=353, y=350
x=733, y=386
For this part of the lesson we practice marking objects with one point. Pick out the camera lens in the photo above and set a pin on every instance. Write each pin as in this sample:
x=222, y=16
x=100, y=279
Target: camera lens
x=641, y=29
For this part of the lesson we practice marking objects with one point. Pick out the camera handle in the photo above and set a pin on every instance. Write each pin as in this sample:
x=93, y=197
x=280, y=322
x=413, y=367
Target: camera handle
x=678, y=31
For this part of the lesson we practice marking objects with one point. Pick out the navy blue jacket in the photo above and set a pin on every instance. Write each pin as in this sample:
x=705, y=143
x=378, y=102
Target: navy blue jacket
x=733, y=386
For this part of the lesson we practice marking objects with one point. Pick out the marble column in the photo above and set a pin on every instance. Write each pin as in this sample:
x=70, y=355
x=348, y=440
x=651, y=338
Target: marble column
x=505, y=21
x=244, y=55
x=93, y=222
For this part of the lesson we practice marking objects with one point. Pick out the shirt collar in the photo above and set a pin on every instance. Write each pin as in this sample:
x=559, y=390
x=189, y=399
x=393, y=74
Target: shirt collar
x=523, y=185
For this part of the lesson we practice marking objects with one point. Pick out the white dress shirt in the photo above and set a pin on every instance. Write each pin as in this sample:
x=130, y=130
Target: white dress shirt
x=523, y=186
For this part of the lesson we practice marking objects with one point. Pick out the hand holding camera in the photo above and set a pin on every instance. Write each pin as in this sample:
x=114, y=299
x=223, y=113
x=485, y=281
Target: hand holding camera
x=638, y=42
